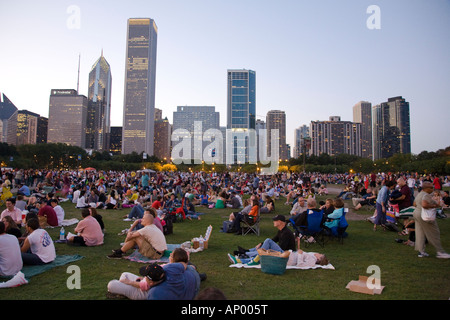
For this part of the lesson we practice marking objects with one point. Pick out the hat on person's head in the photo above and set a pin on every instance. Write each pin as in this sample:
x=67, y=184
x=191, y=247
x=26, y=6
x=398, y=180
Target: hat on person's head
x=154, y=271
x=279, y=217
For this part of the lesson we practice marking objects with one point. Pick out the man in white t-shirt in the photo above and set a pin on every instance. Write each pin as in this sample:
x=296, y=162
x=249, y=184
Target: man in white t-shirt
x=149, y=239
x=58, y=209
x=38, y=247
x=10, y=256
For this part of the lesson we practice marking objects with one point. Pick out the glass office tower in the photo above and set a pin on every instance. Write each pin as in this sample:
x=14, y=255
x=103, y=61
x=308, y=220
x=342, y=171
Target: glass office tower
x=99, y=106
x=67, y=117
x=139, y=97
x=241, y=113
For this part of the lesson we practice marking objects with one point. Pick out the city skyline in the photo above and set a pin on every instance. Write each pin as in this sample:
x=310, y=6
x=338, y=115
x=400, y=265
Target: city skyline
x=313, y=60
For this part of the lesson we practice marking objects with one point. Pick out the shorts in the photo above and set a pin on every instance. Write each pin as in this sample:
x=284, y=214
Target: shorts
x=147, y=250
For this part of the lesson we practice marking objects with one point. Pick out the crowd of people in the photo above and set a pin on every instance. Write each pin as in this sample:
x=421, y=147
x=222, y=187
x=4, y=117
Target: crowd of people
x=153, y=199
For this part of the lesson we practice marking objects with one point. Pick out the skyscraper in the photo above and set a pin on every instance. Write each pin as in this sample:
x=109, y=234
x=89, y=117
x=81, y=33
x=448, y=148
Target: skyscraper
x=67, y=117
x=139, y=97
x=391, y=128
x=115, y=140
x=7, y=110
x=163, y=131
x=362, y=113
x=276, y=120
x=241, y=113
x=196, y=120
x=99, y=105
x=27, y=125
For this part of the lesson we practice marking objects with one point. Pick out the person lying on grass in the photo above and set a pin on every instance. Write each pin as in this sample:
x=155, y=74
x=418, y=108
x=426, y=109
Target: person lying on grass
x=304, y=259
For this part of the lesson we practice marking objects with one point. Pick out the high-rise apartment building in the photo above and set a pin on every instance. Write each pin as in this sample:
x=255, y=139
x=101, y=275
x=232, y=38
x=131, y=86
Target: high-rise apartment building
x=163, y=131
x=99, y=105
x=115, y=140
x=335, y=137
x=362, y=113
x=241, y=114
x=300, y=142
x=391, y=128
x=139, y=97
x=42, y=130
x=27, y=125
x=67, y=117
x=276, y=120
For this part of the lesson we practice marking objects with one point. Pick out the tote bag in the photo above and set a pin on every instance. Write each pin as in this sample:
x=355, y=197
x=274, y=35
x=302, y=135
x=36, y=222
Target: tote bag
x=428, y=214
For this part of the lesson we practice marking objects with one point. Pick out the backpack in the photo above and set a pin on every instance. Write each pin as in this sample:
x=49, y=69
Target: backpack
x=168, y=227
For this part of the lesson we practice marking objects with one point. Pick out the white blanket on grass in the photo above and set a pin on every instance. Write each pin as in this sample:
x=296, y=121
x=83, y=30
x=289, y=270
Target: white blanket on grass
x=258, y=266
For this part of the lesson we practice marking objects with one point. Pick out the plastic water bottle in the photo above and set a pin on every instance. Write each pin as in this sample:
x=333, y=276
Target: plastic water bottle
x=62, y=234
x=201, y=242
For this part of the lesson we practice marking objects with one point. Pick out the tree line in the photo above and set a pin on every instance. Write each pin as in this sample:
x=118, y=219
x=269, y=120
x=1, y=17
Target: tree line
x=63, y=156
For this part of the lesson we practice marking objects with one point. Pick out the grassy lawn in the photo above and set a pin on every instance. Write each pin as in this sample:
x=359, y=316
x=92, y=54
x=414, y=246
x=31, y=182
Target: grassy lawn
x=404, y=275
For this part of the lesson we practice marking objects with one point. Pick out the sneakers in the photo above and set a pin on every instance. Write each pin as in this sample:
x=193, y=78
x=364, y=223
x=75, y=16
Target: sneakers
x=442, y=255
x=255, y=261
x=117, y=254
x=439, y=255
x=233, y=259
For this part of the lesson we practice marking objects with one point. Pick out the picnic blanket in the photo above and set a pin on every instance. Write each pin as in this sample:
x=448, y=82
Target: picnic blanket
x=60, y=260
x=258, y=266
x=137, y=257
x=28, y=271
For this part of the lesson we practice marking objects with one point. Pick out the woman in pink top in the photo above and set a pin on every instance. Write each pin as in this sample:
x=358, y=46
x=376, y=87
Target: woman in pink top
x=89, y=231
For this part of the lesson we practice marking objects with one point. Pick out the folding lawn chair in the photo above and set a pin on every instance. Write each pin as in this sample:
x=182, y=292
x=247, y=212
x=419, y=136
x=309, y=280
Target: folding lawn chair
x=250, y=225
x=314, y=228
x=339, y=232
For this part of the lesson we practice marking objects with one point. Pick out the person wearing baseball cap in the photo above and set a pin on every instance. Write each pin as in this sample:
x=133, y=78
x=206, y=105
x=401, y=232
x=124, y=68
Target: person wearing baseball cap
x=134, y=287
x=284, y=240
x=153, y=272
x=173, y=281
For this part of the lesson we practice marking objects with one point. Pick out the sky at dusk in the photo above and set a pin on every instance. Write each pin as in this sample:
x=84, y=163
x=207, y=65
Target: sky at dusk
x=313, y=59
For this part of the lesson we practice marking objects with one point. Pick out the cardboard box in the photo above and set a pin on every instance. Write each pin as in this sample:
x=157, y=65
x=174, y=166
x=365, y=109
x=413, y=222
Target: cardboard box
x=361, y=286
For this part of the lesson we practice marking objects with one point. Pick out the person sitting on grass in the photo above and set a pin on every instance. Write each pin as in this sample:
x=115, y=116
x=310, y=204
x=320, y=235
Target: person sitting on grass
x=336, y=215
x=173, y=281
x=149, y=239
x=10, y=255
x=89, y=231
x=12, y=211
x=38, y=247
x=244, y=215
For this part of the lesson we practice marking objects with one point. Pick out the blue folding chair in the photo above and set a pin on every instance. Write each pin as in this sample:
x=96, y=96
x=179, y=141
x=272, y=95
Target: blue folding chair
x=314, y=228
x=339, y=232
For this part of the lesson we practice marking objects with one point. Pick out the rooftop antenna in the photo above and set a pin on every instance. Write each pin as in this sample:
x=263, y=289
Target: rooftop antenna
x=78, y=79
